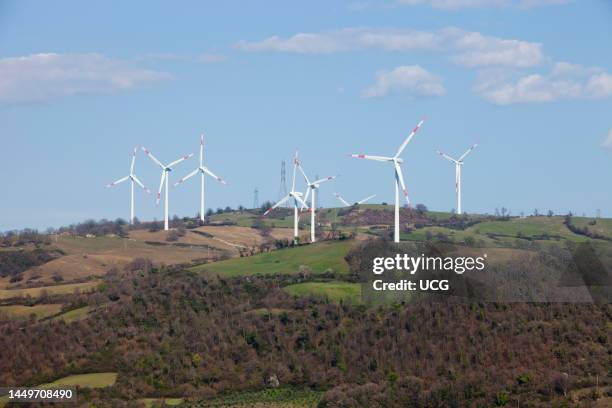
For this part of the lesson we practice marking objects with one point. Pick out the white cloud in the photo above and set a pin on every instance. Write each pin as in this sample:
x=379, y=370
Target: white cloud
x=41, y=77
x=467, y=48
x=475, y=49
x=464, y=4
x=411, y=79
x=607, y=143
x=565, y=82
x=206, y=58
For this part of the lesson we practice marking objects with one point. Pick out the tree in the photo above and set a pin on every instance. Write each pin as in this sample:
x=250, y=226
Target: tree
x=421, y=208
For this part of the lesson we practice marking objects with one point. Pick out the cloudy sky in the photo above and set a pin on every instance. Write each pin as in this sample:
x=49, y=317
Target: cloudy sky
x=82, y=84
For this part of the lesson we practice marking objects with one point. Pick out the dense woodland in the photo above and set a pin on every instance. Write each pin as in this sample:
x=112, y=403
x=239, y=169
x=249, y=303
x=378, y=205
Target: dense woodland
x=170, y=332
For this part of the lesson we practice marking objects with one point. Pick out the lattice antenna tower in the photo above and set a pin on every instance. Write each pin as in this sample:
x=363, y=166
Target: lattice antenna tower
x=282, y=191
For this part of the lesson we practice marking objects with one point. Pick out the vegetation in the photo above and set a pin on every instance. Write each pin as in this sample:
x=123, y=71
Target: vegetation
x=333, y=291
x=176, y=333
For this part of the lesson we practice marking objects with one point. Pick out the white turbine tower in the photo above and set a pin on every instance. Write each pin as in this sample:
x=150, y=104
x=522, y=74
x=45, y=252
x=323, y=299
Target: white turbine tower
x=297, y=200
x=346, y=204
x=312, y=187
x=399, y=178
x=165, y=176
x=133, y=179
x=203, y=170
x=458, y=163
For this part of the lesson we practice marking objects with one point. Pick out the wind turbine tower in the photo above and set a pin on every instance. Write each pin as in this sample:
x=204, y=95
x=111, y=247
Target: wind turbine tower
x=203, y=170
x=312, y=187
x=133, y=179
x=458, y=164
x=165, y=177
x=399, y=178
x=297, y=200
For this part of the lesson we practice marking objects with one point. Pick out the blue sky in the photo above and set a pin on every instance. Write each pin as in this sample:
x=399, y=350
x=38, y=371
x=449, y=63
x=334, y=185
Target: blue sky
x=82, y=83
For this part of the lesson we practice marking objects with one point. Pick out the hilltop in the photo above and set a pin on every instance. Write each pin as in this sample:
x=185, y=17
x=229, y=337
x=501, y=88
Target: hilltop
x=205, y=315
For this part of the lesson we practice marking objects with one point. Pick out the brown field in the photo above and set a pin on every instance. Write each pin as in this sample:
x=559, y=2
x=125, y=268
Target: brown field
x=21, y=311
x=87, y=257
x=51, y=290
x=224, y=237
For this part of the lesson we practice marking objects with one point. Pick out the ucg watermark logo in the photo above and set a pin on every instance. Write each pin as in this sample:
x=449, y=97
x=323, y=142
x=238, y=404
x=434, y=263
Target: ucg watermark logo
x=411, y=264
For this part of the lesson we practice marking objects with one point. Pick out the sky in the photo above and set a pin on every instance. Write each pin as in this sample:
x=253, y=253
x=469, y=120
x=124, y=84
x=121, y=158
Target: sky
x=82, y=83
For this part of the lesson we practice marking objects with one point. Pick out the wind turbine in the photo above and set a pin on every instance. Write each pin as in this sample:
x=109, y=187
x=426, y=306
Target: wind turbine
x=458, y=163
x=312, y=187
x=203, y=170
x=346, y=204
x=165, y=176
x=399, y=178
x=133, y=179
x=297, y=199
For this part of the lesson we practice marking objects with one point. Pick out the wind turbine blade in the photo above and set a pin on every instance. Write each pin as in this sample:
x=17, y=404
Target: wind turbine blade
x=306, y=197
x=323, y=180
x=376, y=158
x=464, y=155
x=296, y=163
x=140, y=183
x=148, y=153
x=193, y=173
x=403, y=146
x=281, y=202
x=342, y=200
x=299, y=200
x=299, y=166
x=400, y=178
x=133, y=160
x=174, y=163
x=202, y=150
x=121, y=180
x=366, y=199
x=446, y=156
x=211, y=174
x=161, y=185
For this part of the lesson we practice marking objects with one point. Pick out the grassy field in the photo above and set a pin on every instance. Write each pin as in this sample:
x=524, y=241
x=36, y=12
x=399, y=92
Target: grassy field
x=334, y=291
x=527, y=227
x=51, y=290
x=318, y=257
x=271, y=398
x=22, y=312
x=458, y=236
x=601, y=226
x=74, y=315
x=92, y=380
x=165, y=402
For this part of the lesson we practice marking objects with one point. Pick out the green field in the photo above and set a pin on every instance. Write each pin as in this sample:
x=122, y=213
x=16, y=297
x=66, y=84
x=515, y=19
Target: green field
x=50, y=290
x=527, y=227
x=41, y=311
x=74, y=315
x=246, y=219
x=318, y=257
x=601, y=226
x=92, y=380
x=334, y=291
x=165, y=402
x=271, y=398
